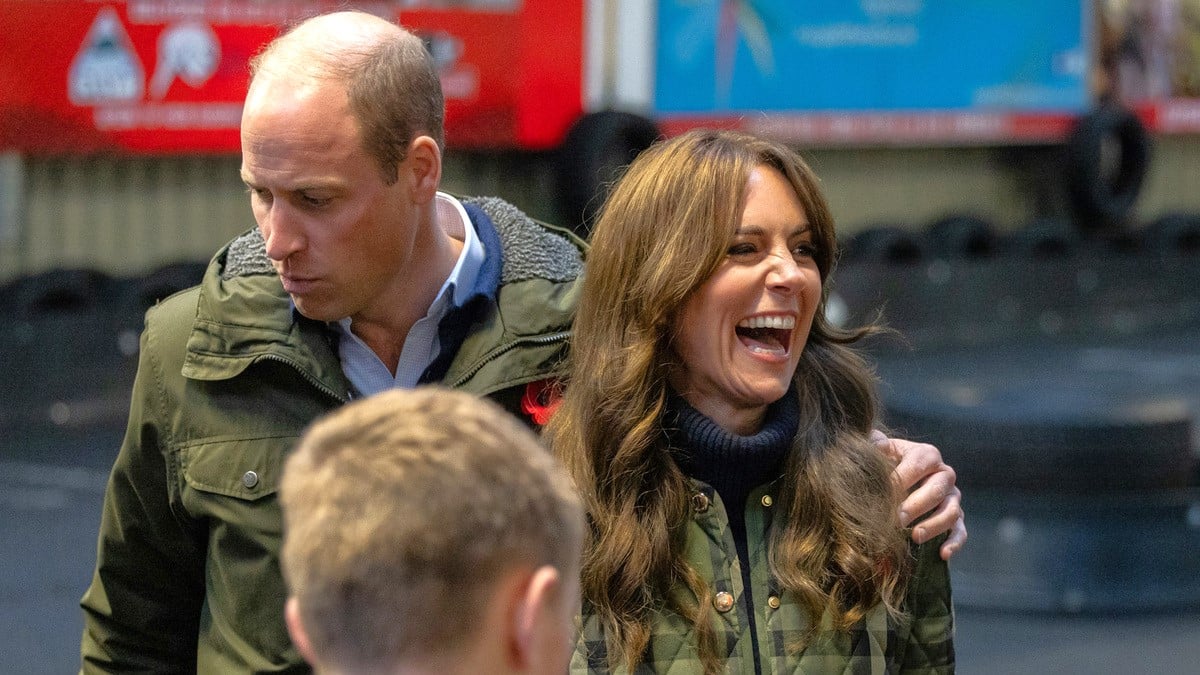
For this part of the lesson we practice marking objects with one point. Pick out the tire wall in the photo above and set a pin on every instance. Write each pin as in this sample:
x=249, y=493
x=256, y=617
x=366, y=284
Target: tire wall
x=131, y=215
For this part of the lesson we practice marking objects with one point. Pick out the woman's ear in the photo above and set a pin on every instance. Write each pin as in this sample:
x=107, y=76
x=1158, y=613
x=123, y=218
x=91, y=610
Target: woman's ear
x=295, y=628
x=422, y=167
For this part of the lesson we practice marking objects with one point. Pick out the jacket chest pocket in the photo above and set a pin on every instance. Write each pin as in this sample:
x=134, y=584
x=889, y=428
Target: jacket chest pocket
x=231, y=486
x=244, y=469
x=233, y=483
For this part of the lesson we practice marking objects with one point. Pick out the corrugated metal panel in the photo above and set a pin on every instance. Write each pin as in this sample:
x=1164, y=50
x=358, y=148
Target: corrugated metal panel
x=128, y=215
x=525, y=179
x=125, y=215
x=12, y=197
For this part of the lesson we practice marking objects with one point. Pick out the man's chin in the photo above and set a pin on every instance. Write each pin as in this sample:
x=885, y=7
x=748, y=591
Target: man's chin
x=310, y=308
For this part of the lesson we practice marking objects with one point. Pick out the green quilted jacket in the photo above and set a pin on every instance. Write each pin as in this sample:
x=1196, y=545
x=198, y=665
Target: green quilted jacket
x=875, y=646
x=187, y=576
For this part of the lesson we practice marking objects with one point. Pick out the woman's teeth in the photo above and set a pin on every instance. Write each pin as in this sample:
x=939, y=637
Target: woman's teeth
x=767, y=334
x=781, y=322
x=761, y=348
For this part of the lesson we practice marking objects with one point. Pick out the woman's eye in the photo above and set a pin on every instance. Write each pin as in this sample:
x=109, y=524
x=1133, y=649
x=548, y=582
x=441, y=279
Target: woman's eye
x=741, y=249
x=804, y=251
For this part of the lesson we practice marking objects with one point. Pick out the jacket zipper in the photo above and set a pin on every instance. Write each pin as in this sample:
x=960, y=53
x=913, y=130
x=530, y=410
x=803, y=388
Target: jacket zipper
x=509, y=346
x=305, y=374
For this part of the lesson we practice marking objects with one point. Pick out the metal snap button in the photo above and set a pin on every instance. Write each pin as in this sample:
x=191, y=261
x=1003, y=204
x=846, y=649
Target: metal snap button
x=773, y=602
x=767, y=501
x=723, y=602
x=700, y=502
x=249, y=479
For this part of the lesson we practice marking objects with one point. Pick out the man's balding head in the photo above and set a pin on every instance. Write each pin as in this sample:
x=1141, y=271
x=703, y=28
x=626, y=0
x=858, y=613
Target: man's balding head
x=389, y=77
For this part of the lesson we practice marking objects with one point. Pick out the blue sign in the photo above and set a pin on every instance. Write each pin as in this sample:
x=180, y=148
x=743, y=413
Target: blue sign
x=731, y=56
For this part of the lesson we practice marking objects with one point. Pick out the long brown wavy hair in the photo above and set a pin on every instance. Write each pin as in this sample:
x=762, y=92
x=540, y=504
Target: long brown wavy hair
x=662, y=233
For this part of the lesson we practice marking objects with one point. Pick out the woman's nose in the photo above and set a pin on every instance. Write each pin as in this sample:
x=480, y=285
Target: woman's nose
x=784, y=274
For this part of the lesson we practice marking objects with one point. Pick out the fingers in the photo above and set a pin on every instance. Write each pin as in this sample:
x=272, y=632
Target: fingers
x=937, y=491
x=956, y=540
x=885, y=445
x=917, y=462
x=948, y=517
x=931, y=490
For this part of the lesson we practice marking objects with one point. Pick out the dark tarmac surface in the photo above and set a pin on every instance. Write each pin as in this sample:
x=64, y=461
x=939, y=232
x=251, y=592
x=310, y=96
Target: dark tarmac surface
x=66, y=378
x=52, y=484
x=51, y=489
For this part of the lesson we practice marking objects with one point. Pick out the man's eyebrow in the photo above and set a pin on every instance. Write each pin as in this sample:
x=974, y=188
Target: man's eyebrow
x=306, y=187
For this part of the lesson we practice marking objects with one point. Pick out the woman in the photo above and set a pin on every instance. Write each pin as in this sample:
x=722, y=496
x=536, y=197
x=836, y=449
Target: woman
x=718, y=428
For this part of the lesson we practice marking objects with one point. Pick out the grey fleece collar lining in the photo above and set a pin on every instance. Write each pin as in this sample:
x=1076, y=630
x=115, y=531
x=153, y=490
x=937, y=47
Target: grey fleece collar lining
x=529, y=251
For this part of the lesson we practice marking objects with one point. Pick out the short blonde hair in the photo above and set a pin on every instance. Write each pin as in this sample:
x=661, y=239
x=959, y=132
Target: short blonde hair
x=401, y=509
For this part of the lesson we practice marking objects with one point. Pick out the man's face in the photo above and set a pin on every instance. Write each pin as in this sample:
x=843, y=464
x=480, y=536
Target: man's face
x=337, y=233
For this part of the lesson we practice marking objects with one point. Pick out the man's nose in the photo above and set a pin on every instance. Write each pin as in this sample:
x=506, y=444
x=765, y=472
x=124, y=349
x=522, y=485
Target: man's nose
x=281, y=231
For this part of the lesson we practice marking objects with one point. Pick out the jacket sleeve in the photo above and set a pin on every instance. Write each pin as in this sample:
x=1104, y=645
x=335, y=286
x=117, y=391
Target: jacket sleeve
x=930, y=643
x=142, y=610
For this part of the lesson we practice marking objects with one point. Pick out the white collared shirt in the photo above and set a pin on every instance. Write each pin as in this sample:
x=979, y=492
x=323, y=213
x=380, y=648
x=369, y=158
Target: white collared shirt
x=366, y=372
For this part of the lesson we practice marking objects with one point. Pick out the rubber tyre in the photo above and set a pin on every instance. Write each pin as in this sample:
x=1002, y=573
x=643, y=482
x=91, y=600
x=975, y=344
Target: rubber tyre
x=962, y=236
x=1101, y=201
x=593, y=154
x=887, y=244
x=61, y=290
x=166, y=280
x=1044, y=238
x=1176, y=233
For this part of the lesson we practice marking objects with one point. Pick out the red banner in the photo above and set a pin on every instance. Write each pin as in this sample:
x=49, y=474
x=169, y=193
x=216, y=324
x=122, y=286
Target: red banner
x=165, y=76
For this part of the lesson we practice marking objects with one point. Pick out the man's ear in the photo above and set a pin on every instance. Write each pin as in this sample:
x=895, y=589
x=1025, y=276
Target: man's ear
x=535, y=609
x=422, y=167
x=295, y=628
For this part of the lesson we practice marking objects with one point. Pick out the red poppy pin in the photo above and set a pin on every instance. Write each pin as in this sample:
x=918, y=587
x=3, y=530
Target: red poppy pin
x=540, y=401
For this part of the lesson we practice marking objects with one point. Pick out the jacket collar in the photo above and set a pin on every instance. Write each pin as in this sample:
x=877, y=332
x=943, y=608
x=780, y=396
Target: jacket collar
x=244, y=315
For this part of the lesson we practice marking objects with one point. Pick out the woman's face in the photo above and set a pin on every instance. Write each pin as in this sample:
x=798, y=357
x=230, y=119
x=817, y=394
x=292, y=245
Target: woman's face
x=739, y=335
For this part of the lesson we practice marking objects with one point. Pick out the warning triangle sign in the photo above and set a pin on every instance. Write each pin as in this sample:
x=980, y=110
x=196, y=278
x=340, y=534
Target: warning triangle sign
x=106, y=69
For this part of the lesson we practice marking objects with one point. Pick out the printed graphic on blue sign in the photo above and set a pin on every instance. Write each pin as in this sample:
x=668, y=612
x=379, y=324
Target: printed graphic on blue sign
x=720, y=56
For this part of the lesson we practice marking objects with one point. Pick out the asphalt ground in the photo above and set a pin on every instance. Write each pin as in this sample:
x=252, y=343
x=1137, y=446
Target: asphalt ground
x=50, y=495
x=1081, y=583
x=52, y=485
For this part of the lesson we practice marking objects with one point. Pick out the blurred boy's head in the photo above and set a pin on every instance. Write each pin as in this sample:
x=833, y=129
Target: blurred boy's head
x=429, y=531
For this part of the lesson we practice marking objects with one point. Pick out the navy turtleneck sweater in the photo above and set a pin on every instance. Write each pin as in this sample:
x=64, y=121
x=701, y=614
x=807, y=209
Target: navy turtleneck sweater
x=733, y=465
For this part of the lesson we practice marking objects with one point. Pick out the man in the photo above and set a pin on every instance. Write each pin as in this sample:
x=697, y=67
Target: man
x=427, y=531
x=360, y=277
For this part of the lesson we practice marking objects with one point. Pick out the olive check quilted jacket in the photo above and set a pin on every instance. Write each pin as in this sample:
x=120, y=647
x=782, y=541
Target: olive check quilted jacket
x=876, y=645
